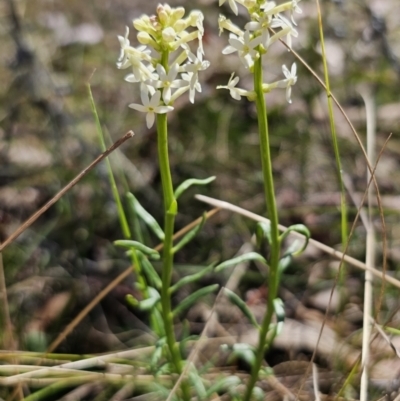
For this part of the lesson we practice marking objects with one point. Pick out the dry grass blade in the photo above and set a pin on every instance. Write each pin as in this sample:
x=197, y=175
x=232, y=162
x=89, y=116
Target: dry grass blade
x=370, y=249
x=315, y=382
x=330, y=251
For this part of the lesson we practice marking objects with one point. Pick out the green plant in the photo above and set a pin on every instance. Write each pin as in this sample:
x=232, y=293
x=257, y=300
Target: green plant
x=165, y=73
x=252, y=44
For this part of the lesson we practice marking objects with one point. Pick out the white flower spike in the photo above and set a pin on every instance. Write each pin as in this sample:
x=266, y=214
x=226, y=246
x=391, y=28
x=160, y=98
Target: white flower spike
x=161, y=83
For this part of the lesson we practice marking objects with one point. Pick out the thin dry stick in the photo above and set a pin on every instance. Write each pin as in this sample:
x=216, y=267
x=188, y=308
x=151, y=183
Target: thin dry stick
x=315, y=382
x=330, y=251
x=370, y=250
x=56, y=197
x=68, y=329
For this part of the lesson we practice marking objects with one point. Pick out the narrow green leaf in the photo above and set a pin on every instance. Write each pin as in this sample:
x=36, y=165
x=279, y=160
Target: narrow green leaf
x=284, y=263
x=150, y=221
x=150, y=272
x=121, y=213
x=263, y=232
x=224, y=384
x=132, y=301
x=189, y=236
x=198, y=385
x=258, y=394
x=236, y=300
x=245, y=352
x=188, y=183
x=279, y=309
x=151, y=302
x=243, y=258
x=192, y=298
x=125, y=243
x=280, y=314
x=157, y=354
x=185, y=337
x=301, y=229
x=190, y=279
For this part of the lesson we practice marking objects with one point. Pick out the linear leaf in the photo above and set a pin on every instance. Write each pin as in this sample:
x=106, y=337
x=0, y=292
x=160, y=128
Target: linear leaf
x=189, y=236
x=150, y=272
x=190, y=279
x=150, y=221
x=126, y=243
x=192, y=298
x=188, y=183
x=243, y=258
x=301, y=229
x=236, y=300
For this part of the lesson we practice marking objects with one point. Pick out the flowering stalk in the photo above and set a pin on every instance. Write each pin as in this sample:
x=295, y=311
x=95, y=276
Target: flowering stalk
x=273, y=279
x=251, y=44
x=170, y=210
x=162, y=80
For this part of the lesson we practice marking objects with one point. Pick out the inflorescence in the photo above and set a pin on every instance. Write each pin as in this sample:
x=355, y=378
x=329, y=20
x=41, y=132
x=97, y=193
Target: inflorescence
x=254, y=41
x=164, y=64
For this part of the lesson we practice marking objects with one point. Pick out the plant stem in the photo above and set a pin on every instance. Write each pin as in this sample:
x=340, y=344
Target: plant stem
x=170, y=210
x=169, y=220
x=273, y=279
x=343, y=204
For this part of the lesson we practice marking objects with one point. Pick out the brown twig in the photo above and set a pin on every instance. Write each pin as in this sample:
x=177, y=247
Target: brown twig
x=325, y=248
x=56, y=197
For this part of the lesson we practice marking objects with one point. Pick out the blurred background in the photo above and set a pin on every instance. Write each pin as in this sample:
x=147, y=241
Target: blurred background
x=51, y=50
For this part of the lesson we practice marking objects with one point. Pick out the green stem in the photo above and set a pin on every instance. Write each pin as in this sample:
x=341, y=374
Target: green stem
x=273, y=279
x=170, y=209
x=169, y=221
x=343, y=204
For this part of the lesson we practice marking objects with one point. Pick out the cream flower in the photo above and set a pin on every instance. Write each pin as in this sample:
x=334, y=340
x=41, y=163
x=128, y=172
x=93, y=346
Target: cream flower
x=150, y=106
x=245, y=46
x=236, y=93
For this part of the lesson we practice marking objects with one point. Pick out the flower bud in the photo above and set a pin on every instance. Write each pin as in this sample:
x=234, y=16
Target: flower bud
x=176, y=15
x=169, y=35
x=180, y=25
x=144, y=38
x=163, y=12
x=196, y=19
x=143, y=24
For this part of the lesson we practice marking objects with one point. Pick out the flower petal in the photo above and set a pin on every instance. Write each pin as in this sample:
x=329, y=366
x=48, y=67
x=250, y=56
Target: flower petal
x=150, y=117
